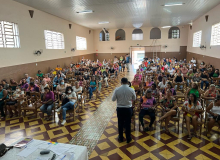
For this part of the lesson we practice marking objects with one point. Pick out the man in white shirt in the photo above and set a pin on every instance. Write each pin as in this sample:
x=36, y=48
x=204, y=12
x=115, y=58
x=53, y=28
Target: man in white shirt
x=124, y=96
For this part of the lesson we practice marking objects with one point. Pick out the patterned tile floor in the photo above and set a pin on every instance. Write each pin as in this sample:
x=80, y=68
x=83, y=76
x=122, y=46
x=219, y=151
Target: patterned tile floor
x=96, y=128
x=156, y=144
x=15, y=128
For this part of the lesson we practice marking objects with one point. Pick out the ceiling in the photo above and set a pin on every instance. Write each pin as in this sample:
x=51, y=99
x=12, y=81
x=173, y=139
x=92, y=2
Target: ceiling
x=124, y=13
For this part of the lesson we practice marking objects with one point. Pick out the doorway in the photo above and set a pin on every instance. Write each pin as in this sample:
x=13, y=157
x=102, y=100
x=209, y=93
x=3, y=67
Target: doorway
x=137, y=57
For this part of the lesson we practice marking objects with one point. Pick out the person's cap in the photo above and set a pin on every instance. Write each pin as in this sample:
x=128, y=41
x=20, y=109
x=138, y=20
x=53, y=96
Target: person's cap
x=212, y=85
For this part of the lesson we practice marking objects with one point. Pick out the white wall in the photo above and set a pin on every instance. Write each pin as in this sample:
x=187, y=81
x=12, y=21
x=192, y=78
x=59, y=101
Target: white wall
x=123, y=46
x=32, y=35
x=206, y=27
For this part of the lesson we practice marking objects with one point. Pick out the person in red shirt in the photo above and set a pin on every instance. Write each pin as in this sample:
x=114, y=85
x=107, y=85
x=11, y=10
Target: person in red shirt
x=145, y=63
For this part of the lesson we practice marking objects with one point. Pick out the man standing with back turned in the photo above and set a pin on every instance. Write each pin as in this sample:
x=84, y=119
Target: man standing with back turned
x=124, y=96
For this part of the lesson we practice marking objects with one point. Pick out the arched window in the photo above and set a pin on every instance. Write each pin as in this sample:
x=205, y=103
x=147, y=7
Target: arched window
x=104, y=36
x=155, y=33
x=174, y=33
x=137, y=34
x=120, y=35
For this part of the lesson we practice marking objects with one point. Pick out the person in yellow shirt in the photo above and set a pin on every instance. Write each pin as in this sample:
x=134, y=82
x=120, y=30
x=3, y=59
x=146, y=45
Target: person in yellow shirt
x=59, y=68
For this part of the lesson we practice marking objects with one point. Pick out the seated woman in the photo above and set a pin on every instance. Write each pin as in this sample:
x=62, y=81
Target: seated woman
x=13, y=100
x=169, y=86
x=136, y=83
x=171, y=72
x=57, y=81
x=40, y=74
x=178, y=79
x=77, y=89
x=81, y=81
x=33, y=87
x=116, y=68
x=92, y=87
x=184, y=71
x=47, y=102
x=42, y=86
x=192, y=108
x=210, y=94
x=24, y=84
x=154, y=90
x=13, y=84
x=194, y=90
x=138, y=75
x=70, y=98
x=86, y=75
x=162, y=85
x=47, y=79
x=61, y=88
x=169, y=108
x=214, y=114
x=6, y=85
x=148, y=83
x=147, y=106
x=190, y=75
x=3, y=96
x=143, y=67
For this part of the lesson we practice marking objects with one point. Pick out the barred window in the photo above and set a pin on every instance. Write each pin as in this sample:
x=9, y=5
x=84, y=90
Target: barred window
x=9, y=35
x=174, y=33
x=54, y=40
x=215, y=36
x=81, y=43
x=197, y=36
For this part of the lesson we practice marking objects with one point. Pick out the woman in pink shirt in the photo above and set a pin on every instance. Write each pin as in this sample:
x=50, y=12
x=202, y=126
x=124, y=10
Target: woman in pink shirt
x=47, y=79
x=138, y=75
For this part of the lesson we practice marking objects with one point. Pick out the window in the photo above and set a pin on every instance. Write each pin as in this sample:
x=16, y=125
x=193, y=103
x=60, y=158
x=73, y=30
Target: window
x=9, y=35
x=155, y=33
x=104, y=36
x=81, y=43
x=54, y=40
x=197, y=39
x=120, y=35
x=174, y=33
x=137, y=34
x=215, y=36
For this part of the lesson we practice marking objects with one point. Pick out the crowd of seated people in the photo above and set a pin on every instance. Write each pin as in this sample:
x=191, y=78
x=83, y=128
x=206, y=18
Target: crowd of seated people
x=87, y=76
x=167, y=80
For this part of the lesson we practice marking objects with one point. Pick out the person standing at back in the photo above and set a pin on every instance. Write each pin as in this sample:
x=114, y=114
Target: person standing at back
x=127, y=59
x=124, y=96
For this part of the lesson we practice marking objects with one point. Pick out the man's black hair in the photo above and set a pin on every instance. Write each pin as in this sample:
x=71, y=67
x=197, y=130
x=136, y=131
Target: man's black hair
x=124, y=80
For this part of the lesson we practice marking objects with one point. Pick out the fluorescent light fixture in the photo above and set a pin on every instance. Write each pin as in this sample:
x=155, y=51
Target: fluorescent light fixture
x=166, y=27
x=173, y=4
x=86, y=11
x=104, y=22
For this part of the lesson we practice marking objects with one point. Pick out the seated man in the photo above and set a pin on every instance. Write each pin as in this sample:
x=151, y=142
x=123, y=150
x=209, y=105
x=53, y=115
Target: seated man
x=205, y=76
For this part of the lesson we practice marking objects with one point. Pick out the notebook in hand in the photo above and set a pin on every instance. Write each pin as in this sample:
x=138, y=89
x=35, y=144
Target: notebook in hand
x=23, y=142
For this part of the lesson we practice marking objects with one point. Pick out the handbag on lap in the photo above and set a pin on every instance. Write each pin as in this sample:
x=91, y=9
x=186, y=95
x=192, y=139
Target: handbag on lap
x=4, y=149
